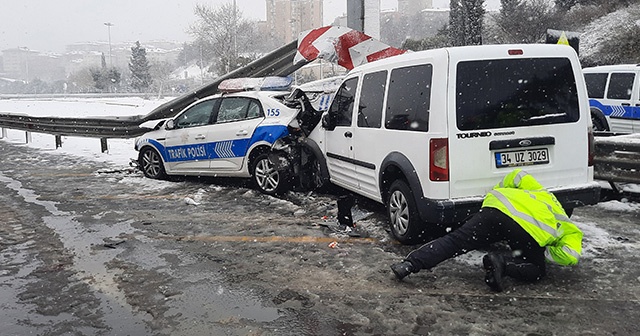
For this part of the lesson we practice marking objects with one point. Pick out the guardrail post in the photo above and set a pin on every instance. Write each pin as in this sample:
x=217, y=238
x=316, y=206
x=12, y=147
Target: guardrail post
x=58, y=141
x=28, y=137
x=4, y=133
x=103, y=145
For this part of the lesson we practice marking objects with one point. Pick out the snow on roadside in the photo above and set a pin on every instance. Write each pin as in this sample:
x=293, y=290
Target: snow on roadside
x=120, y=151
x=80, y=107
x=622, y=205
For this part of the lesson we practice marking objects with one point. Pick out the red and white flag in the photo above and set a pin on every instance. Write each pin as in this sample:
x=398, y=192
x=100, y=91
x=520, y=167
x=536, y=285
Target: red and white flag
x=344, y=46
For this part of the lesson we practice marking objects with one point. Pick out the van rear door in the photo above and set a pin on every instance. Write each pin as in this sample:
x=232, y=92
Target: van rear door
x=517, y=106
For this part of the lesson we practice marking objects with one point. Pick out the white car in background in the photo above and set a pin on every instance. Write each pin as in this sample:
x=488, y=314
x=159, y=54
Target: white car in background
x=226, y=135
x=614, y=97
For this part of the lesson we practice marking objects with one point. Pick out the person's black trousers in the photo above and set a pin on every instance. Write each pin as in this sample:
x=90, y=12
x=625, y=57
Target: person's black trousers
x=525, y=262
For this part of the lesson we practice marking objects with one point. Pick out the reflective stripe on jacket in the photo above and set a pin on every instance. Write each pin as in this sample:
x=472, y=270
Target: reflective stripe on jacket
x=522, y=198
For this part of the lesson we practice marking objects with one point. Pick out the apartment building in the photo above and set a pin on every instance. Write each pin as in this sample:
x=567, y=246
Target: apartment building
x=287, y=18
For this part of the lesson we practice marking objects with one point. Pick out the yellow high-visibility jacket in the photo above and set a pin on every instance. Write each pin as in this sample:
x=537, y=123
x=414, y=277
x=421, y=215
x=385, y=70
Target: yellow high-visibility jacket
x=522, y=198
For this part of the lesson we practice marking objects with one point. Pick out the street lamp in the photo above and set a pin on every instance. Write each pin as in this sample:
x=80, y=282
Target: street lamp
x=109, y=24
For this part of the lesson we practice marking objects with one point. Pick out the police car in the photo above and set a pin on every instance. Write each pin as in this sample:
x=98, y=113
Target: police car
x=614, y=97
x=227, y=135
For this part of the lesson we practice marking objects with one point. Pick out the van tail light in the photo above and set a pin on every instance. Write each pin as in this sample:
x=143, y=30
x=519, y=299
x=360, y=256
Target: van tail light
x=439, y=160
x=591, y=145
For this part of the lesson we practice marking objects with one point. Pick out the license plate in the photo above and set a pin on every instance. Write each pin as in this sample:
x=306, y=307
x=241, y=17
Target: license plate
x=522, y=157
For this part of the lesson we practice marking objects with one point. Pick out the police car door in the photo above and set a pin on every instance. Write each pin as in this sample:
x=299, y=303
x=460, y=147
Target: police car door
x=230, y=136
x=619, y=100
x=339, y=139
x=186, y=142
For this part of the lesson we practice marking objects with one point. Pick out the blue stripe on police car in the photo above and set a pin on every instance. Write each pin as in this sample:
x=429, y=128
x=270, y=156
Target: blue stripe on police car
x=219, y=149
x=614, y=111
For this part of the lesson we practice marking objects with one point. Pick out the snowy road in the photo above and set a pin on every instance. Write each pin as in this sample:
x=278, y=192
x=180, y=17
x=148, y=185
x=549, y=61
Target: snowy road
x=94, y=249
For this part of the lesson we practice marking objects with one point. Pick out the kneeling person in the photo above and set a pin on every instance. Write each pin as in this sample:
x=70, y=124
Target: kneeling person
x=519, y=211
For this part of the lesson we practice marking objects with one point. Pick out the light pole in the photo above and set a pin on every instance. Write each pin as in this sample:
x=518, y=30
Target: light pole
x=109, y=24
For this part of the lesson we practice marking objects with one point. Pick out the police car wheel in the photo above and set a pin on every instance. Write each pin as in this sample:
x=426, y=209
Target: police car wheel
x=403, y=214
x=151, y=164
x=266, y=177
x=598, y=125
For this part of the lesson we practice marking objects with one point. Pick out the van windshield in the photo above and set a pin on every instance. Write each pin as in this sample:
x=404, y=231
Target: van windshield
x=515, y=92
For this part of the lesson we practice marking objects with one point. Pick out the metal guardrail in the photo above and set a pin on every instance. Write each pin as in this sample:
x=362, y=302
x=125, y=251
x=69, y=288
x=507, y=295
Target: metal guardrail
x=617, y=158
x=105, y=127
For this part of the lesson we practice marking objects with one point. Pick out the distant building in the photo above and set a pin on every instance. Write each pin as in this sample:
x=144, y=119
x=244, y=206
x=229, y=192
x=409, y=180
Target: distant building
x=25, y=64
x=287, y=18
x=89, y=54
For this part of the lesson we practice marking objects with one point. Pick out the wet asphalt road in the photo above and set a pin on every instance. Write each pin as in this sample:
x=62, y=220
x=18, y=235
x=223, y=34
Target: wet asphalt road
x=86, y=249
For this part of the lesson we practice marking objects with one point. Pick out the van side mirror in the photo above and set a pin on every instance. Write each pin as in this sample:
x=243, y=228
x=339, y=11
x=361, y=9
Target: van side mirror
x=170, y=124
x=328, y=122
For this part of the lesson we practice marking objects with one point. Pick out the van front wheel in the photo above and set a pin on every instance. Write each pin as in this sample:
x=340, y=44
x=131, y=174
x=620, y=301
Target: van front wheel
x=403, y=214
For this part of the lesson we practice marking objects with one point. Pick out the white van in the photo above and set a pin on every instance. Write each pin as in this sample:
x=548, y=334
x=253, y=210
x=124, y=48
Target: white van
x=614, y=92
x=429, y=133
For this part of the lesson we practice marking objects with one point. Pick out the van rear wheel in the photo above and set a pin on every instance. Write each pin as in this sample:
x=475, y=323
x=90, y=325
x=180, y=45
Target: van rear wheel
x=403, y=213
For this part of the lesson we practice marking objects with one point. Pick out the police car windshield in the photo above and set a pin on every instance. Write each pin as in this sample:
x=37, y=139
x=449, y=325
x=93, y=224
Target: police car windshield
x=515, y=92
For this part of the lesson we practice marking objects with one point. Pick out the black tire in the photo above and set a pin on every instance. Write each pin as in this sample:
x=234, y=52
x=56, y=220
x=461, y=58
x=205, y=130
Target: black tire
x=598, y=121
x=150, y=162
x=598, y=126
x=319, y=183
x=266, y=177
x=405, y=222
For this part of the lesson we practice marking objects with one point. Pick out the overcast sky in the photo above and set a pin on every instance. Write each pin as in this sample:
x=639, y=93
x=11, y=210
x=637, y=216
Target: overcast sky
x=49, y=25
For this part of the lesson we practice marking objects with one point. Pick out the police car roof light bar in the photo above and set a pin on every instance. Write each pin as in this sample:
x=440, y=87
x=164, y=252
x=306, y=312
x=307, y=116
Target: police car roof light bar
x=270, y=83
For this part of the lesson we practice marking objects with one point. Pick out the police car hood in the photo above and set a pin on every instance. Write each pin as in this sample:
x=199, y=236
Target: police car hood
x=153, y=124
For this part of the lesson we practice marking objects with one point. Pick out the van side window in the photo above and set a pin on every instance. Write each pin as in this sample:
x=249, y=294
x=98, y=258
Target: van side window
x=371, y=99
x=409, y=98
x=341, y=108
x=595, y=84
x=620, y=86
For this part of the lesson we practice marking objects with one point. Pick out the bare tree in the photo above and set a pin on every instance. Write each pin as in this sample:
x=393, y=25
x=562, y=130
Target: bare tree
x=222, y=35
x=160, y=74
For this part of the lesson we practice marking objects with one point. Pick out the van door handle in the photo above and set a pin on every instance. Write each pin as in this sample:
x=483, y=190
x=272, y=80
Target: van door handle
x=200, y=137
x=348, y=134
x=625, y=104
x=242, y=132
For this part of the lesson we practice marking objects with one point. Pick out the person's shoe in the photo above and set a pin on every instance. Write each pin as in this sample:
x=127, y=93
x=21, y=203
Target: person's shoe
x=401, y=270
x=494, y=271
